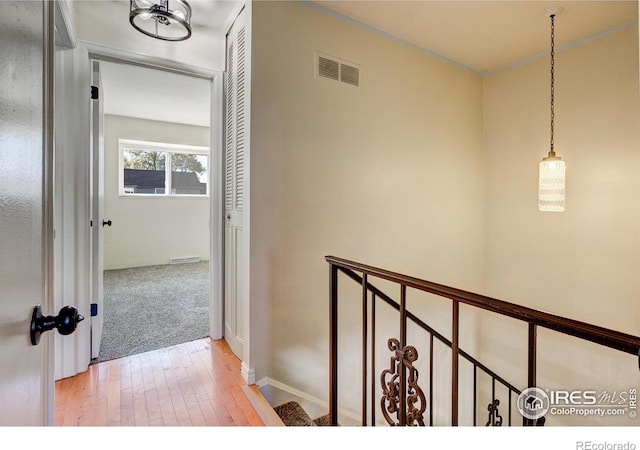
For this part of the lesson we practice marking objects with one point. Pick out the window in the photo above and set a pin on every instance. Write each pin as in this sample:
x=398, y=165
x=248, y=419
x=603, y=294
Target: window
x=160, y=169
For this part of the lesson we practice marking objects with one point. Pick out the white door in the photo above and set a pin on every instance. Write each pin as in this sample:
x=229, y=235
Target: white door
x=98, y=222
x=26, y=146
x=236, y=233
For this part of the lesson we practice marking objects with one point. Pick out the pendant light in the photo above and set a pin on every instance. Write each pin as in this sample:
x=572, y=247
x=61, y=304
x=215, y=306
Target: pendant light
x=551, y=177
x=168, y=20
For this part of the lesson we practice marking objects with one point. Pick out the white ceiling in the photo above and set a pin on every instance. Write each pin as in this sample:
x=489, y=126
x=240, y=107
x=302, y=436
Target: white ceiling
x=487, y=35
x=207, y=15
x=135, y=91
x=480, y=35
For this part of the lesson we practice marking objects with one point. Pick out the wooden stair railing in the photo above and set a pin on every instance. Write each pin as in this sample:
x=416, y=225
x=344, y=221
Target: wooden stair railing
x=401, y=394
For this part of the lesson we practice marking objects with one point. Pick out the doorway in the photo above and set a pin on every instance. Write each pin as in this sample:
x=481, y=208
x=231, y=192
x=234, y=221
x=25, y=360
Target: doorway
x=75, y=246
x=152, y=199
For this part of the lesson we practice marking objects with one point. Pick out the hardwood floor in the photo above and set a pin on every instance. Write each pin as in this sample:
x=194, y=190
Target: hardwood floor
x=193, y=384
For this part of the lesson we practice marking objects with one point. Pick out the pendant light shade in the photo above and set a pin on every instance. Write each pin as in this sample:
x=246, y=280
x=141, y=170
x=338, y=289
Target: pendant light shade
x=551, y=175
x=551, y=181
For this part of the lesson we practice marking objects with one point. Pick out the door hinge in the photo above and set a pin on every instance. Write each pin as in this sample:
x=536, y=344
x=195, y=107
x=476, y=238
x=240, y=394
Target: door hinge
x=94, y=92
x=94, y=309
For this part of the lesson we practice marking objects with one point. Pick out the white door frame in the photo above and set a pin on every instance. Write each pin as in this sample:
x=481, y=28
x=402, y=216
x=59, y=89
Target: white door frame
x=90, y=51
x=71, y=202
x=96, y=131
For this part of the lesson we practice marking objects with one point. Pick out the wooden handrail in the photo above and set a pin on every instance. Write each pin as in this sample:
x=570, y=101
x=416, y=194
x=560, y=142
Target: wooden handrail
x=609, y=338
x=422, y=324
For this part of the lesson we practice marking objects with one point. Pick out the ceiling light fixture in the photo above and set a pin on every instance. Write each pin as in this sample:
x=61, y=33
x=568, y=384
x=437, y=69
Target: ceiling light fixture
x=169, y=20
x=551, y=179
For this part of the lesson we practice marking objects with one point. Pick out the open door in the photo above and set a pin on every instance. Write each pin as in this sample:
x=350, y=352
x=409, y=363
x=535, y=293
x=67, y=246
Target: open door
x=97, y=208
x=26, y=153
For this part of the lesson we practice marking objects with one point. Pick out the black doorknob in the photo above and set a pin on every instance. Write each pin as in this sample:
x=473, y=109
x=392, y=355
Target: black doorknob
x=66, y=322
x=106, y=222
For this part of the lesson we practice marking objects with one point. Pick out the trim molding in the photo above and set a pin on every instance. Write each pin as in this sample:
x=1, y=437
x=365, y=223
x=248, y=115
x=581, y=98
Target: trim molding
x=92, y=51
x=248, y=374
x=392, y=37
x=261, y=405
x=64, y=25
x=267, y=381
x=324, y=10
x=562, y=48
x=112, y=54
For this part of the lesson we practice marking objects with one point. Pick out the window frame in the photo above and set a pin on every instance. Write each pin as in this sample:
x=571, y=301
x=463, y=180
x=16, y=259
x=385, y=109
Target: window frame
x=169, y=149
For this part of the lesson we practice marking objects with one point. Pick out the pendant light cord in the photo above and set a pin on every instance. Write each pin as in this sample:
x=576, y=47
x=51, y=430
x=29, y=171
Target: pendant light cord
x=552, y=77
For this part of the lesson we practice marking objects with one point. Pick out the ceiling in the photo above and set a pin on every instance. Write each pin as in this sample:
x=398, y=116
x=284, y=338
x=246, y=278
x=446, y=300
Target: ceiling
x=481, y=35
x=207, y=15
x=485, y=36
x=134, y=91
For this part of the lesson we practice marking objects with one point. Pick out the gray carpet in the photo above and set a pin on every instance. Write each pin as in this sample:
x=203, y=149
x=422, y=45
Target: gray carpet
x=147, y=308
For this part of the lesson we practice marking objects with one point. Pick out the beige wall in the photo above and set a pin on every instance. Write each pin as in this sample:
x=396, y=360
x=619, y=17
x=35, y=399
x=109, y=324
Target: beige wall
x=583, y=263
x=149, y=231
x=389, y=173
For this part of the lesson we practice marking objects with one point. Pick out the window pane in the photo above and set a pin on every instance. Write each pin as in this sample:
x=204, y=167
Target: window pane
x=189, y=174
x=144, y=171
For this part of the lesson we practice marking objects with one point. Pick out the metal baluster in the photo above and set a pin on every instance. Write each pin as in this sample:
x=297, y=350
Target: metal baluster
x=531, y=365
x=333, y=345
x=373, y=358
x=431, y=379
x=455, y=331
x=510, y=392
x=402, y=412
x=364, y=349
x=475, y=394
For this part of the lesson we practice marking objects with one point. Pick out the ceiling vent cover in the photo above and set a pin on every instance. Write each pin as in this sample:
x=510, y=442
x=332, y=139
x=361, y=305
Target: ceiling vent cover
x=336, y=69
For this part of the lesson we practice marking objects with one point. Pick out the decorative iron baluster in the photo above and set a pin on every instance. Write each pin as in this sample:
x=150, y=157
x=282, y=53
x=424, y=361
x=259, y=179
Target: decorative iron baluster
x=416, y=402
x=390, y=389
x=495, y=419
x=402, y=359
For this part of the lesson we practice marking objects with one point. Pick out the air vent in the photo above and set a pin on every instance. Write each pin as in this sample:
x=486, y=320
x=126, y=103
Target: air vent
x=328, y=68
x=184, y=260
x=338, y=70
x=349, y=74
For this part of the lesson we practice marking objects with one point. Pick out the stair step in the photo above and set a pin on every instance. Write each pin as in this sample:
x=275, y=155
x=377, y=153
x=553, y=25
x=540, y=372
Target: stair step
x=293, y=415
x=262, y=406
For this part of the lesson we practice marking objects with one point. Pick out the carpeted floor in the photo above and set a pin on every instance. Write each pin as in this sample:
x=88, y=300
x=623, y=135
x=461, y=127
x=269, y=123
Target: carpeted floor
x=147, y=308
x=293, y=415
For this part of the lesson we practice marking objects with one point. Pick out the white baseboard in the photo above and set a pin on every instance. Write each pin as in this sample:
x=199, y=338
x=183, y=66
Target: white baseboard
x=277, y=384
x=267, y=381
x=248, y=374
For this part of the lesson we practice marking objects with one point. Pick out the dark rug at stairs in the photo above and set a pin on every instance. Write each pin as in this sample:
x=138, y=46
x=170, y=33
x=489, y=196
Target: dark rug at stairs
x=322, y=421
x=293, y=415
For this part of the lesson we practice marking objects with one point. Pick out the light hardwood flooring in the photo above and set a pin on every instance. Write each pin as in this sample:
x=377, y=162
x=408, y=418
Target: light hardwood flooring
x=192, y=384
